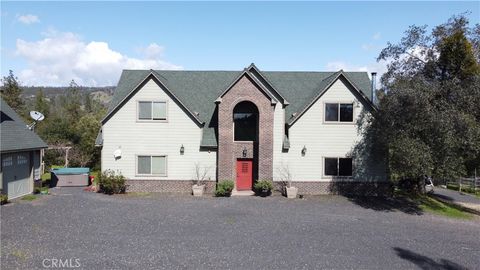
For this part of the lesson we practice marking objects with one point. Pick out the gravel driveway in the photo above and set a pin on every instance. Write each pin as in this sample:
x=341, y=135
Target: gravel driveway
x=95, y=231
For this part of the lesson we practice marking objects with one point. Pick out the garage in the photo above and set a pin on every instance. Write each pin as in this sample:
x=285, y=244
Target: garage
x=17, y=174
x=21, y=154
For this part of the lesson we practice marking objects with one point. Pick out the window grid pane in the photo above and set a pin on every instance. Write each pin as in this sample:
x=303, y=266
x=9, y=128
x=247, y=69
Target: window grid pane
x=158, y=165
x=345, y=167
x=331, y=112
x=159, y=110
x=144, y=165
x=331, y=166
x=346, y=112
x=145, y=110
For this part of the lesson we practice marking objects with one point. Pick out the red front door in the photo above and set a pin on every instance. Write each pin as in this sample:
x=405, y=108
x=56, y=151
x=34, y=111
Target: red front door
x=244, y=174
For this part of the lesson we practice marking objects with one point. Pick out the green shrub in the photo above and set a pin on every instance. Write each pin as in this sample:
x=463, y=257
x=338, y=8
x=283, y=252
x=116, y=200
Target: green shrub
x=111, y=183
x=224, y=188
x=3, y=198
x=263, y=186
x=36, y=190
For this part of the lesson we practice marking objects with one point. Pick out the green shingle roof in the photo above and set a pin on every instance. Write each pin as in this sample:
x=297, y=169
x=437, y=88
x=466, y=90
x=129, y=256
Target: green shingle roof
x=198, y=90
x=14, y=134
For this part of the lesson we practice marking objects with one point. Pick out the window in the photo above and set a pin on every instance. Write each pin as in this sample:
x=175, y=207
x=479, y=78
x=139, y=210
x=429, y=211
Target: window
x=21, y=159
x=152, y=165
x=152, y=110
x=7, y=161
x=339, y=112
x=338, y=166
x=245, y=119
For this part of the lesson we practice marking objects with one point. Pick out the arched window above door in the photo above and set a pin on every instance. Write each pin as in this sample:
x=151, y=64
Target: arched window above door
x=245, y=121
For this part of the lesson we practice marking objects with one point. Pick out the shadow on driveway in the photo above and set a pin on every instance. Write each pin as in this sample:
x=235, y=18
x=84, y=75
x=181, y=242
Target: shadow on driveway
x=423, y=262
x=387, y=204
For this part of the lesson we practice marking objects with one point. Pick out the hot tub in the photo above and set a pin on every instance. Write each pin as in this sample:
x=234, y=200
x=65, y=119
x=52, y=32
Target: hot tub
x=70, y=177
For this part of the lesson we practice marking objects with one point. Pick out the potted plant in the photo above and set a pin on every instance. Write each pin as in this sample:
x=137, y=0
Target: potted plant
x=224, y=188
x=286, y=176
x=263, y=187
x=199, y=183
x=44, y=190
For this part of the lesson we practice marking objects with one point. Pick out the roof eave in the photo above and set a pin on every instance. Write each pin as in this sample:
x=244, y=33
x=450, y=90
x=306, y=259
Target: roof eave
x=151, y=74
x=337, y=76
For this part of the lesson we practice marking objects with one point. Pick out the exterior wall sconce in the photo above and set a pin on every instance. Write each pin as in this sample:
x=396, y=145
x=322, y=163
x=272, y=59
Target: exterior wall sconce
x=182, y=150
x=304, y=151
x=244, y=152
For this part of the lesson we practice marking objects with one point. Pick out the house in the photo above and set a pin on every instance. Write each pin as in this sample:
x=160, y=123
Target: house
x=21, y=154
x=243, y=126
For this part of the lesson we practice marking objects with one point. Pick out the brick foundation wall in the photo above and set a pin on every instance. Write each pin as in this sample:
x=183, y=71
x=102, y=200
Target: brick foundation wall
x=341, y=188
x=166, y=186
x=304, y=188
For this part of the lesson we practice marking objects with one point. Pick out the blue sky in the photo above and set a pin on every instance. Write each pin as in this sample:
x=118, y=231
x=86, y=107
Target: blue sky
x=51, y=43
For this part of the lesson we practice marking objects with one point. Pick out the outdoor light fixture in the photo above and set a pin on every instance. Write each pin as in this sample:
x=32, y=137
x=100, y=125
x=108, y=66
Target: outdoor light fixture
x=244, y=152
x=304, y=151
x=182, y=150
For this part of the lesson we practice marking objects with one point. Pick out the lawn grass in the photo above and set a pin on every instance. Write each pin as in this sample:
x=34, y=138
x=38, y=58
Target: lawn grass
x=46, y=177
x=29, y=197
x=431, y=205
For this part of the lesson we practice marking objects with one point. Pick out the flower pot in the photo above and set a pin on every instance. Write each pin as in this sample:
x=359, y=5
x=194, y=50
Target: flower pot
x=197, y=190
x=291, y=192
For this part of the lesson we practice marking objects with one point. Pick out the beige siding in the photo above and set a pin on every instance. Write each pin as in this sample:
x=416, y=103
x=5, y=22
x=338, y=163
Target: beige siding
x=278, y=135
x=133, y=137
x=322, y=139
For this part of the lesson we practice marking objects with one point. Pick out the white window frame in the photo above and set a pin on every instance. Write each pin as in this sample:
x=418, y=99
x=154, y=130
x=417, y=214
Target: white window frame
x=338, y=168
x=151, y=155
x=151, y=120
x=338, y=122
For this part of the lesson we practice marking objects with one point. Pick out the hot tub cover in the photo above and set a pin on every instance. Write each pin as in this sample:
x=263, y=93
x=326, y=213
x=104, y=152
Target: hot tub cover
x=70, y=171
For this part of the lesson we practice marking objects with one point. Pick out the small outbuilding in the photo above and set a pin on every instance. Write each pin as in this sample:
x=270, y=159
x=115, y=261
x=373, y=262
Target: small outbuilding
x=21, y=152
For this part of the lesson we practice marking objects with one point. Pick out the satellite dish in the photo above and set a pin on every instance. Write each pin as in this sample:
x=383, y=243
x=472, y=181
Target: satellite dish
x=117, y=154
x=37, y=116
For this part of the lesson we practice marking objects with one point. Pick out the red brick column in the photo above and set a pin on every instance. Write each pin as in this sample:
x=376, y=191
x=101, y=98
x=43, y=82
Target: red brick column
x=228, y=150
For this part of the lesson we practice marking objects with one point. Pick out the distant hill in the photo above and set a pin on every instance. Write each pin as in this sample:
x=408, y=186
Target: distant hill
x=102, y=94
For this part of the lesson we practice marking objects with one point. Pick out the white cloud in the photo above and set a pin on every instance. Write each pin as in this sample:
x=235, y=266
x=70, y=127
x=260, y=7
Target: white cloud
x=61, y=57
x=377, y=36
x=153, y=51
x=28, y=18
x=379, y=67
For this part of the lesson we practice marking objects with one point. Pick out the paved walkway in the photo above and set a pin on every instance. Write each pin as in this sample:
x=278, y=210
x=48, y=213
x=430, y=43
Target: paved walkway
x=463, y=199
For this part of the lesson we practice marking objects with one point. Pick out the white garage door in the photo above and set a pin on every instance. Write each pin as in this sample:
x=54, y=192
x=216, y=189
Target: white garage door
x=16, y=174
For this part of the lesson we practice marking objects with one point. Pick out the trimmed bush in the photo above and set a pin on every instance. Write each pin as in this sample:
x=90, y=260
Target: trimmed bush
x=111, y=183
x=224, y=188
x=3, y=198
x=263, y=187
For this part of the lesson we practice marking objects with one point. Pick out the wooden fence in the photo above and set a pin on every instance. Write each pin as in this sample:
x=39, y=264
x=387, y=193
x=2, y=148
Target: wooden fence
x=467, y=184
